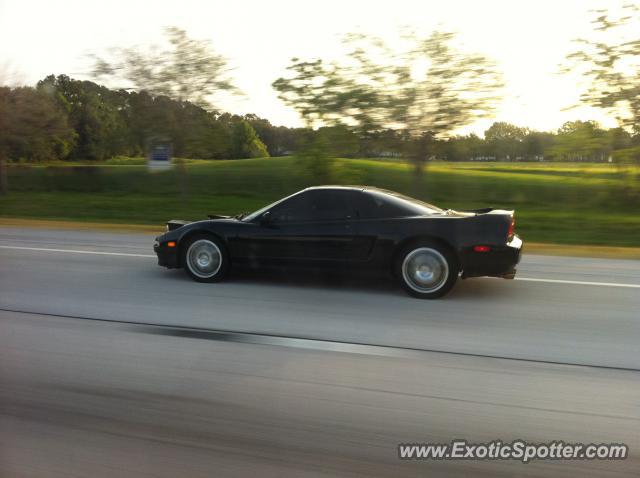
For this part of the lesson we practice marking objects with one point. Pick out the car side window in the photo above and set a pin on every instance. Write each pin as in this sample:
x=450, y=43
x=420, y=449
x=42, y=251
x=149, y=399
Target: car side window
x=315, y=205
x=291, y=210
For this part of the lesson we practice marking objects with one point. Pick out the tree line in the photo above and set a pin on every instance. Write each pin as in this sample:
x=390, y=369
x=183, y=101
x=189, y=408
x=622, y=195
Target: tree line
x=66, y=119
x=376, y=101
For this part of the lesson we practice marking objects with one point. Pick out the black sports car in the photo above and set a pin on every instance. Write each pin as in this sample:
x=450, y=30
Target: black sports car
x=425, y=247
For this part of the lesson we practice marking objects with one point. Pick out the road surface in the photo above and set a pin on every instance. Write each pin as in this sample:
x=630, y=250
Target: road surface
x=553, y=355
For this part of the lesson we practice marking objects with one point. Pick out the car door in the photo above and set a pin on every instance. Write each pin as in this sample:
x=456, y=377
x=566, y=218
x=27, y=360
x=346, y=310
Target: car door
x=313, y=227
x=377, y=226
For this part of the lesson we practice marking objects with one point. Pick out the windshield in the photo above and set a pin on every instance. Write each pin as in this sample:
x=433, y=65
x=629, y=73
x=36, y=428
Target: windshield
x=256, y=214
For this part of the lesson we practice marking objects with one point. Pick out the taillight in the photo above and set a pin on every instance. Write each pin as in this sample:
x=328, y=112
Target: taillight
x=512, y=227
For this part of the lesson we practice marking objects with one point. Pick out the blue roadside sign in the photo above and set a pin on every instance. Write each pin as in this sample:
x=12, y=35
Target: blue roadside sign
x=160, y=157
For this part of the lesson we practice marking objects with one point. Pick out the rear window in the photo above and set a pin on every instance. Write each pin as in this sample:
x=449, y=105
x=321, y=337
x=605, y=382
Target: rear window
x=378, y=204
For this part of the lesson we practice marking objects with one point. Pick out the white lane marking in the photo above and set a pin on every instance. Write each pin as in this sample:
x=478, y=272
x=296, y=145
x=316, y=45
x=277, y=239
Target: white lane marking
x=530, y=279
x=578, y=282
x=74, y=251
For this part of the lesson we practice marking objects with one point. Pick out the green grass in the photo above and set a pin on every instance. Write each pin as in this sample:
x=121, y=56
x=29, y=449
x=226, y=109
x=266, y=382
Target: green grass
x=555, y=202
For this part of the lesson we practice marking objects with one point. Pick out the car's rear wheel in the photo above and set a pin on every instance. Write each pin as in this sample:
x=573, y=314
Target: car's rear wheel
x=205, y=259
x=427, y=270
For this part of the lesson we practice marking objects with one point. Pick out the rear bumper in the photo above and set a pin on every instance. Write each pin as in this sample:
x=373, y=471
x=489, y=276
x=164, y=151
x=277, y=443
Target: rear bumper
x=167, y=256
x=500, y=261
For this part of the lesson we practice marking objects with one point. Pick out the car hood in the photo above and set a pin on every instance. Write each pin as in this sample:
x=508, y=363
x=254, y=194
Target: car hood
x=174, y=224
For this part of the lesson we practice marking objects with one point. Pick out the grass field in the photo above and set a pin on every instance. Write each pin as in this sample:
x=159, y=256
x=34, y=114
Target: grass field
x=555, y=202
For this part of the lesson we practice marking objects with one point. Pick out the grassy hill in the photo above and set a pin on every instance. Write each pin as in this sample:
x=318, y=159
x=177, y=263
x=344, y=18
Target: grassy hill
x=555, y=202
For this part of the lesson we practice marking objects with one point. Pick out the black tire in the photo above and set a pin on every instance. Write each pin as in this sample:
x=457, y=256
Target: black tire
x=426, y=270
x=205, y=258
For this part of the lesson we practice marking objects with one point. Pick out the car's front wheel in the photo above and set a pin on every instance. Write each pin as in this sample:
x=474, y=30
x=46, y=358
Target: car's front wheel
x=426, y=270
x=205, y=259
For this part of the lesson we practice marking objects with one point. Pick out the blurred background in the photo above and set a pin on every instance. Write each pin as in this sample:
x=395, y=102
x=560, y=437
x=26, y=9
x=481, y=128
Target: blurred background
x=534, y=108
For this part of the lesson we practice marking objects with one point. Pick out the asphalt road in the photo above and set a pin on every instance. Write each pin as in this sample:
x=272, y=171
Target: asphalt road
x=562, y=322
x=89, y=398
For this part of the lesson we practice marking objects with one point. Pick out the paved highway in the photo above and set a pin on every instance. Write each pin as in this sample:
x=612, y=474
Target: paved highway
x=572, y=321
x=95, y=398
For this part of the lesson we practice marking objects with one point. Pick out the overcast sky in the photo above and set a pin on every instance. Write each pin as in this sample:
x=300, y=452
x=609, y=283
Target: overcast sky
x=528, y=39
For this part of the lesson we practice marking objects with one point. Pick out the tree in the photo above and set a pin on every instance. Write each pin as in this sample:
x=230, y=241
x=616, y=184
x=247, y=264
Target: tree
x=428, y=91
x=536, y=144
x=32, y=127
x=245, y=142
x=610, y=61
x=619, y=138
x=461, y=148
x=382, y=143
x=287, y=140
x=94, y=112
x=581, y=141
x=189, y=70
x=506, y=140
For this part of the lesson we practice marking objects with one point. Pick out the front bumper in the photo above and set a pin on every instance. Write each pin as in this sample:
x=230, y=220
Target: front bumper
x=167, y=256
x=500, y=261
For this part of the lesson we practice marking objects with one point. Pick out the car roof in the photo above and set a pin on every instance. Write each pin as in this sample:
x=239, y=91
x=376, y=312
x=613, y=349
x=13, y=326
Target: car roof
x=359, y=188
x=351, y=188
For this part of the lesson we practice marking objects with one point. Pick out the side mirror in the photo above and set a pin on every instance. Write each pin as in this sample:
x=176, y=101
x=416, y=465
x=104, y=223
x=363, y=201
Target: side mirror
x=266, y=219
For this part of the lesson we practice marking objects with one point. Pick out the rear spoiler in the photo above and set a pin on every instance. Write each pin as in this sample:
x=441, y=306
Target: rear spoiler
x=479, y=211
x=490, y=210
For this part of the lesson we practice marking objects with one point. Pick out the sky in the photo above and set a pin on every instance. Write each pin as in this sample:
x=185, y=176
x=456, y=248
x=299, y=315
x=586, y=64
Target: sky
x=527, y=39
